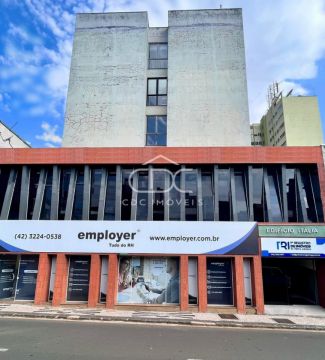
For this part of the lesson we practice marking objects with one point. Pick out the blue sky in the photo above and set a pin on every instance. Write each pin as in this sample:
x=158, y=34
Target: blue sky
x=284, y=43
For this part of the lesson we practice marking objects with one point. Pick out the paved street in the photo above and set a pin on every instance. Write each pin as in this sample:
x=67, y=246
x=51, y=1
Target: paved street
x=52, y=339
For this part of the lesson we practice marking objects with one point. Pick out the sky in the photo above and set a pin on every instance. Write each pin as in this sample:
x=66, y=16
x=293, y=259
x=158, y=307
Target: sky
x=284, y=39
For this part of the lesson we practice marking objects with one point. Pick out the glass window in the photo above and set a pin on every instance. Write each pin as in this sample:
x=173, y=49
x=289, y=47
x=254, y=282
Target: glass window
x=33, y=184
x=96, y=177
x=46, y=204
x=158, y=56
x=274, y=208
x=126, y=195
x=109, y=212
x=64, y=188
x=191, y=195
x=258, y=193
x=156, y=130
x=27, y=276
x=207, y=196
x=78, y=196
x=219, y=281
x=157, y=92
x=159, y=194
x=4, y=177
x=241, y=191
x=192, y=281
x=224, y=194
x=142, y=196
x=174, y=201
x=148, y=280
x=14, y=208
x=291, y=190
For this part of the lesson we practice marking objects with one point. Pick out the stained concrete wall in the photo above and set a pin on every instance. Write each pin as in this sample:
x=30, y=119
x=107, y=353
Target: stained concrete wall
x=107, y=89
x=207, y=90
x=8, y=139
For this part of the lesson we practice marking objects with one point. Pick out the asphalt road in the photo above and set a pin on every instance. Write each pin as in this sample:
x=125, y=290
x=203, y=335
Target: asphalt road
x=51, y=339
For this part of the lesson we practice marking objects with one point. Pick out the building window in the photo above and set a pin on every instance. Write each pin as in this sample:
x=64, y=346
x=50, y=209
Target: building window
x=158, y=56
x=157, y=92
x=156, y=130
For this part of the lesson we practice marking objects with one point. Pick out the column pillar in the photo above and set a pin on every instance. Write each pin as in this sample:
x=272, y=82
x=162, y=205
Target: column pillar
x=239, y=285
x=43, y=279
x=202, y=283
x=94, y=280
x=183, y=269
x=61, y=280
x=112, y=281
x=258, y=294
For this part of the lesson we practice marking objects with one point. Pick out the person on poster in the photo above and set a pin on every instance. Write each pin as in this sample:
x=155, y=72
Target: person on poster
x=125, y=278
x=170, y=295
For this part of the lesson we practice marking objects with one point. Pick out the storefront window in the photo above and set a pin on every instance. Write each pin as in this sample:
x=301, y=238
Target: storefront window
x=174, y=201
x=241, y=194
x=4, y=177
x=274, y=207
x=33, y=184
x=103, y=279
x=78, y=280
x=8, y=265
x=14, y=208
x=192, y=281
x=159, y=195
x=219, y=281
x=27, y=276
x=126, y=195
x=148, y=280
x=64, y=188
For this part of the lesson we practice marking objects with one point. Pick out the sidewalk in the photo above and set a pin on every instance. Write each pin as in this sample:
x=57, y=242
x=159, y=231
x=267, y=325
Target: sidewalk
x=181, y=318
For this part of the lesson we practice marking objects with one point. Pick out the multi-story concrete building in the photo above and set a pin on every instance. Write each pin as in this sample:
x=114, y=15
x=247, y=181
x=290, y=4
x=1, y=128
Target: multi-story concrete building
x=290, y=121
x=183, y=85
x=9, y=139
x=175, y=227
x=256, y=135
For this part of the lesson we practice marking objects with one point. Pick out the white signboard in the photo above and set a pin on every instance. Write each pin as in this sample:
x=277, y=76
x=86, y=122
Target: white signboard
x=298, y=247
x=129, y=237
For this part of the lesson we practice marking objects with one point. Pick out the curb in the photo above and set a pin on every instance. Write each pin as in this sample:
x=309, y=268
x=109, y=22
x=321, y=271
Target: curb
x=147, y=320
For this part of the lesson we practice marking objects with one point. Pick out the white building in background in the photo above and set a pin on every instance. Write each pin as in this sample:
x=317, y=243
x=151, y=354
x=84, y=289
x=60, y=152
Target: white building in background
x=182, y=85
x=9, y=139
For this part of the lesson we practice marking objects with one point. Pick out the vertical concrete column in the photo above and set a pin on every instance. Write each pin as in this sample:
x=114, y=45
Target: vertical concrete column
x=43, y=279
x=112, y=281
x=183, y=269
x=61, y=280
x=239, y=285
x=94, y=280
x=257, y=284
x=202, y=283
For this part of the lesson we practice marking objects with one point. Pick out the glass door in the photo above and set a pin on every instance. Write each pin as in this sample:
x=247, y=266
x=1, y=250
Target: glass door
x=27, y=276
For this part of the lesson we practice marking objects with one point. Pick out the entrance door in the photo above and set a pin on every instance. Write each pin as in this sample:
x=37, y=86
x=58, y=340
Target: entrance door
x=27, y=276
x=78, y=281
x=7, y=276
x=290, y=281
x=52, y=277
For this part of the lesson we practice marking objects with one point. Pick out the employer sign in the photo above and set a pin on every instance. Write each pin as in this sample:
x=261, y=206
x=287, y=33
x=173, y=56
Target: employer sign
x=130, y=237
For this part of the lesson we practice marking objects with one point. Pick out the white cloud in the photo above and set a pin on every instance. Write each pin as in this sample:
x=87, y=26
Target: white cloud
x=49, y=135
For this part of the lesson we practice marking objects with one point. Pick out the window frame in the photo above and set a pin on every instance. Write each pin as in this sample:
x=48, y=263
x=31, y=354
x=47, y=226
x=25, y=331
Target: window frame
x=157, y=95
x=156, y=134
x=157, y=60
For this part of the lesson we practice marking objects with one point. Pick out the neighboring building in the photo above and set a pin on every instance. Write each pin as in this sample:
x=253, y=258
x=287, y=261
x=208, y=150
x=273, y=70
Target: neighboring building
x=206, y=228
x=256, y=135
x=9, y=139
x=291, y=121
x=132, y=85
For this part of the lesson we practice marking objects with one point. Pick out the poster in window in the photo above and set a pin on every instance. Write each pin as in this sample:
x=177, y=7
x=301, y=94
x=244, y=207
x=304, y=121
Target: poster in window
x=144, y=280
x=219, y=281
x=78, y=281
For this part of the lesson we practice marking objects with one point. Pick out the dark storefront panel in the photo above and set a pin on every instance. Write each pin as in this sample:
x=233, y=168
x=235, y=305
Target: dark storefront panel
x=78, y=281
x=8, y=265
x=290, y=281
x=219, y=281
x=27, y=276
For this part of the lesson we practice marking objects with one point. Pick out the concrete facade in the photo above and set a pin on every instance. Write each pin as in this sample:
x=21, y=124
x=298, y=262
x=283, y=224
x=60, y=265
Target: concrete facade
x=291, y=121
x=9, y=139
x=207, y=91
